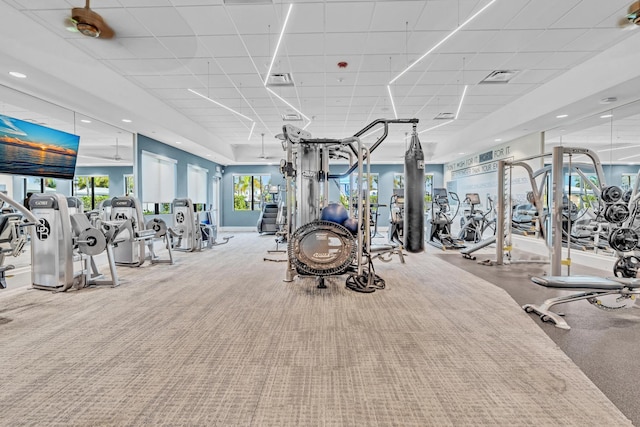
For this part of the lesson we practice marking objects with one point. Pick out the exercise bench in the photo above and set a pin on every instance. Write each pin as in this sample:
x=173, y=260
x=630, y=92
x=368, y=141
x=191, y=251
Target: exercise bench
x=591, y=288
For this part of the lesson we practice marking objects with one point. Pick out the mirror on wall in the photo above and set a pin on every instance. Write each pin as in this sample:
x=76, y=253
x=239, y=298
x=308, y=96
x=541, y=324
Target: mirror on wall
x=614, y=134
x=100, y=143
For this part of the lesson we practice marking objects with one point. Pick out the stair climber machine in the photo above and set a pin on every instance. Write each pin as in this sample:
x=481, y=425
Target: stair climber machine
x=127, y=221
x=474, y=223
x=13, y=233
x=61, y=239
x=323, y=239
x=185, y=227
x=267, y=222
x=441, y=219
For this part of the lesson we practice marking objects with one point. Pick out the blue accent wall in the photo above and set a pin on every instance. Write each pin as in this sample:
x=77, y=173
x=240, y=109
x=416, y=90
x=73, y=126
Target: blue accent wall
x=231, y=218
x=116, y=176
x=183, y=158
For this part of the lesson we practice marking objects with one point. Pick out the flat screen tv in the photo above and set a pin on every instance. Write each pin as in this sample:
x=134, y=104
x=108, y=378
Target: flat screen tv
x=34, y=150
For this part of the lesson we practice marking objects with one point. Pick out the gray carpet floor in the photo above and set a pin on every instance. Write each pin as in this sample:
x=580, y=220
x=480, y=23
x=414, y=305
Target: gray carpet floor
x=220, y=340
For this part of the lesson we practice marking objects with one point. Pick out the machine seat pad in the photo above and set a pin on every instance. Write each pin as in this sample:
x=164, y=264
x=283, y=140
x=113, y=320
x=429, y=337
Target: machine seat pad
x=631, y=283
x=579, y=282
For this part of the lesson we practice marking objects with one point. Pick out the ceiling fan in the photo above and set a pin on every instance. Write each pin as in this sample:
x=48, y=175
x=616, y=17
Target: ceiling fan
x=633, y=16
x=88, y=23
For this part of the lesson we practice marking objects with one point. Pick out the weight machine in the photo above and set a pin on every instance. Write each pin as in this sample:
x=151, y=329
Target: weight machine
x=127, y=222
x=13, y=234
x=324, y=248
x=185, y=227
x=59, y=240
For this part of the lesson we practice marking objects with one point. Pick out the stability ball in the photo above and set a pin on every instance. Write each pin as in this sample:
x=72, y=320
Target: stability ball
x=351, y=224
x=334, y=212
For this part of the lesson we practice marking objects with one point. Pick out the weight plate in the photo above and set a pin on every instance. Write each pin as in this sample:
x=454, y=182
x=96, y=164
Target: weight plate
x=617, y=213
x=92, y=242
x=157, y=225
x=626, y=266
x=623, y=239
x=611, y=194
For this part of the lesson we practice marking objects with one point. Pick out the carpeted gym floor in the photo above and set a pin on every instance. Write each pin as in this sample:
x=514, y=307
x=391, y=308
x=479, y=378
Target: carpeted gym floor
x=220, y=340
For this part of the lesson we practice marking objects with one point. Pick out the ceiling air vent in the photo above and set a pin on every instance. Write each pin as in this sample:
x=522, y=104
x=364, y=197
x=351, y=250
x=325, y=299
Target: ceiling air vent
x=445, y=116
x=280, y=79
x=291, y=117
x=499, y=76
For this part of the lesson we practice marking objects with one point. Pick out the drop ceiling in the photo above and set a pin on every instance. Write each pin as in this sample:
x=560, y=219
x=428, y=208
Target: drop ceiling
x=560, y=50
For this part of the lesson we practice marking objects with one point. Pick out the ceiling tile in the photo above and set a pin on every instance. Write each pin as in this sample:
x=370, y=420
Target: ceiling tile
x=184, y=47
x=467, y=41
x=535, y=76
x=305, y=18
x=223, y=46
x=148, y=66
x=562, y=60
x=302, y=44
x=105, y=49
x=393, y=15
x=256, y=19
x=597, y=39
x=345, y=43
x=541, y=14
x=497, y=15
x=511, y=40
x=552, y=40
x=207, y=20
x=340, y=16
x=487, y=61
x=162, y=21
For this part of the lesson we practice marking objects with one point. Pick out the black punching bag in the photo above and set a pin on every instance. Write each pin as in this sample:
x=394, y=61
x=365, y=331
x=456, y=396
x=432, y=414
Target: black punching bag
x=414, y=196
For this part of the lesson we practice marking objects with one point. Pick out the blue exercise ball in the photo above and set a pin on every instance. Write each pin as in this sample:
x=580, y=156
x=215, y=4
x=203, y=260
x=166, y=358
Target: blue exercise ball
x=334, y=212
x=351, y=224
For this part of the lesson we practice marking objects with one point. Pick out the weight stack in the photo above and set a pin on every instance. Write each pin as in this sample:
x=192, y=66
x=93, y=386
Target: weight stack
x=414, y=196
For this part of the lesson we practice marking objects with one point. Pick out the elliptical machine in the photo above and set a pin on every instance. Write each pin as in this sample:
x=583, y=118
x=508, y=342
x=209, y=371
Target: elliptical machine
x=475, y=222
x=440, y=224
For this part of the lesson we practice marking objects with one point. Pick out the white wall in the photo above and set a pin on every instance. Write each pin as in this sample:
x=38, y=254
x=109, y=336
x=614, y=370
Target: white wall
x=477, y=173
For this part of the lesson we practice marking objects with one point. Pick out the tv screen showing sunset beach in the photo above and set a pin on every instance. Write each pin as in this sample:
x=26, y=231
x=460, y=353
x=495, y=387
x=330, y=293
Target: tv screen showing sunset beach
x=34, y=150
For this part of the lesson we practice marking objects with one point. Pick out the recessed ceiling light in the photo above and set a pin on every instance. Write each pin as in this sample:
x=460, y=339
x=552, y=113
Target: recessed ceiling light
x=17, y=75
x=498, y=139
x=461, y=154
x=126, y=120
x=606, y=116
x=562, y=116
x=85, y=121
x=208, y=155
x=178, y=142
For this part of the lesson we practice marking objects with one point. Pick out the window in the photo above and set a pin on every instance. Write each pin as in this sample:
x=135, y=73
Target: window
x=398, y=183
x=129, y=185
x=158, y=178
x=370, y=182
x=91, y=190
x=197, y=184
x=248, y=191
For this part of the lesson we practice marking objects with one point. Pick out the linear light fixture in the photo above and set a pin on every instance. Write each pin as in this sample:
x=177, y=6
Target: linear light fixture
x=378, y=129
x=464, y=92
x=618, y=148
x=461, y=26
x=220, y=105
x=253, y=125
x=393, y=104
x=286, y=102
x=307, y=125
x=275, y=53
x=629, y=157
x=436, y=126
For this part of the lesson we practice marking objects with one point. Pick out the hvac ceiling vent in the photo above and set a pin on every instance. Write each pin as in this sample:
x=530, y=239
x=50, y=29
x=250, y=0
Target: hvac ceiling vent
x=291, y=117
x=499, y=76
x=280, y=79
x=445, y=116
x=248, y=1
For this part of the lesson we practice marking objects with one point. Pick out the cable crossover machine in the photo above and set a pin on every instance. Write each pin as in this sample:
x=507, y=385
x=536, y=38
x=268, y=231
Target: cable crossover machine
x=327, y=239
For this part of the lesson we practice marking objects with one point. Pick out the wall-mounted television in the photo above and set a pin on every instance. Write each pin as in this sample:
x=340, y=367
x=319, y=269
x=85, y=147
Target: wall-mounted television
x=34, y=150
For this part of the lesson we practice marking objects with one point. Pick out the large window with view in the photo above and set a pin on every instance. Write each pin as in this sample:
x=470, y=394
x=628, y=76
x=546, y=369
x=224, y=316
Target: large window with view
x=91, y=190
x=250, y=192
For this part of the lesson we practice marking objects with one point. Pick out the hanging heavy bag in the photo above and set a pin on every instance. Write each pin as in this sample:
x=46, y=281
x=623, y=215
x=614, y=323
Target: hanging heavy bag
x=414, y=196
